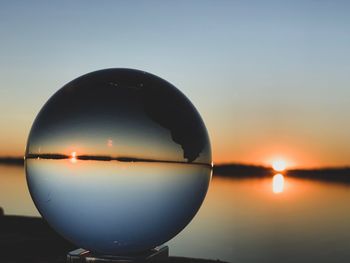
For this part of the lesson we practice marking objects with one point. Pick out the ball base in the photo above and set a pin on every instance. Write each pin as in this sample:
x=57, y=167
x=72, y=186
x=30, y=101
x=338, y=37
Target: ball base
x=81, y=256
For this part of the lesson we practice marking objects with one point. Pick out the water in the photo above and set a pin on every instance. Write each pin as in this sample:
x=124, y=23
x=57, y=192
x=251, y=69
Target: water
x=244, y=220
x=14, y=195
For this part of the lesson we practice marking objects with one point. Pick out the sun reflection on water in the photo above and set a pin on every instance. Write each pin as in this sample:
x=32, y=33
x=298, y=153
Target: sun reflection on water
x=277, y=183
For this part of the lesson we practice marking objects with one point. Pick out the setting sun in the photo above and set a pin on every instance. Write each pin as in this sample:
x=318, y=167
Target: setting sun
x=73, y=158
x=279, y=165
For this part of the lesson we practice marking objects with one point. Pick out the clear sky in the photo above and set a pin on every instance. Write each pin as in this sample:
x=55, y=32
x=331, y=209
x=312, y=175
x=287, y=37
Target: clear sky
x=270, y=78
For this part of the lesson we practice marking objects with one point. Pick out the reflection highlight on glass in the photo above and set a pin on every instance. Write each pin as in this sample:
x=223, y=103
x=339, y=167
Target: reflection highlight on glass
x=277, y=183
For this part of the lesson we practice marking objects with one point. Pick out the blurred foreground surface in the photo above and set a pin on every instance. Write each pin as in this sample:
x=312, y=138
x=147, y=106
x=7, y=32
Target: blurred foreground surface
x=25, y=239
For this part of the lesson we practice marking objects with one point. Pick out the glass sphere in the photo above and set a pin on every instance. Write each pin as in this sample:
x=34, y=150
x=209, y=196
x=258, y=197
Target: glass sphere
x=118, y=161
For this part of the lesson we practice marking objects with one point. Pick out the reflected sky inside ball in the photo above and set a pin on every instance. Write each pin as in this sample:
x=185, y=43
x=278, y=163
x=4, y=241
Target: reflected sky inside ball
x=121, y=112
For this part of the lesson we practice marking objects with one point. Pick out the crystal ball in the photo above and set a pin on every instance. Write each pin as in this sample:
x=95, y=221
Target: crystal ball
x=118, y=161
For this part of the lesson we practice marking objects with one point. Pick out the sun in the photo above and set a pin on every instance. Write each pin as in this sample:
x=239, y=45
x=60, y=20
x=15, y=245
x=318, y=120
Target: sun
x=279, y=165
x=73, y=157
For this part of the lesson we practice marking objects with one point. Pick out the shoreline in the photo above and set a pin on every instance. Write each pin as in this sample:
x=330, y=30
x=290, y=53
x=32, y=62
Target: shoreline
x=241, y=171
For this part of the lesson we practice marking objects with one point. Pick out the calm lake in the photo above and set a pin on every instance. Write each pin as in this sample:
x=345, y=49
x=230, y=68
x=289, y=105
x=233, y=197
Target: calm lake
x=277, y=219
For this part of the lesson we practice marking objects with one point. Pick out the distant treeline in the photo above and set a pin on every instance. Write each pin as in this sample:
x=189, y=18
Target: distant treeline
x=12, y=160
x=338, y=174
x=106, y=158
x=231, y=170
x=242, y=170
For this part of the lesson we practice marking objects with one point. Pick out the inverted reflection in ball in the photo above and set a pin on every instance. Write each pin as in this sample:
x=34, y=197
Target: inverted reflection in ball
x=118, y=161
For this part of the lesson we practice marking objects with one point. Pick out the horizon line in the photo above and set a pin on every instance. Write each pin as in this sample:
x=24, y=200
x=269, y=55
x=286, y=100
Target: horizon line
x=106, y=158
x=19, y=159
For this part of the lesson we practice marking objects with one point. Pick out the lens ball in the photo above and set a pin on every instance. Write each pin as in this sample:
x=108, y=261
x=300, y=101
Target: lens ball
x=118, y=161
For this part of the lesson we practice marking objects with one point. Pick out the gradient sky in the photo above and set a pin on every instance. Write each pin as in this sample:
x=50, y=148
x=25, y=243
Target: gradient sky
x=270, y=78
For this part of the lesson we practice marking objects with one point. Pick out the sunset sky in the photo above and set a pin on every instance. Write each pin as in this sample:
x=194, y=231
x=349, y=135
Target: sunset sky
x=270, y=78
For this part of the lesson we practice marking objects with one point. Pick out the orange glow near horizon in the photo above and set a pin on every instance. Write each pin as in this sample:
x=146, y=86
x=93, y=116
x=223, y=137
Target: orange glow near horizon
x=297, y=155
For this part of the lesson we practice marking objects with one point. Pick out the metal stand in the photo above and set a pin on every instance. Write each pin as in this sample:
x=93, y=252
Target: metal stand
x=83, y=256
